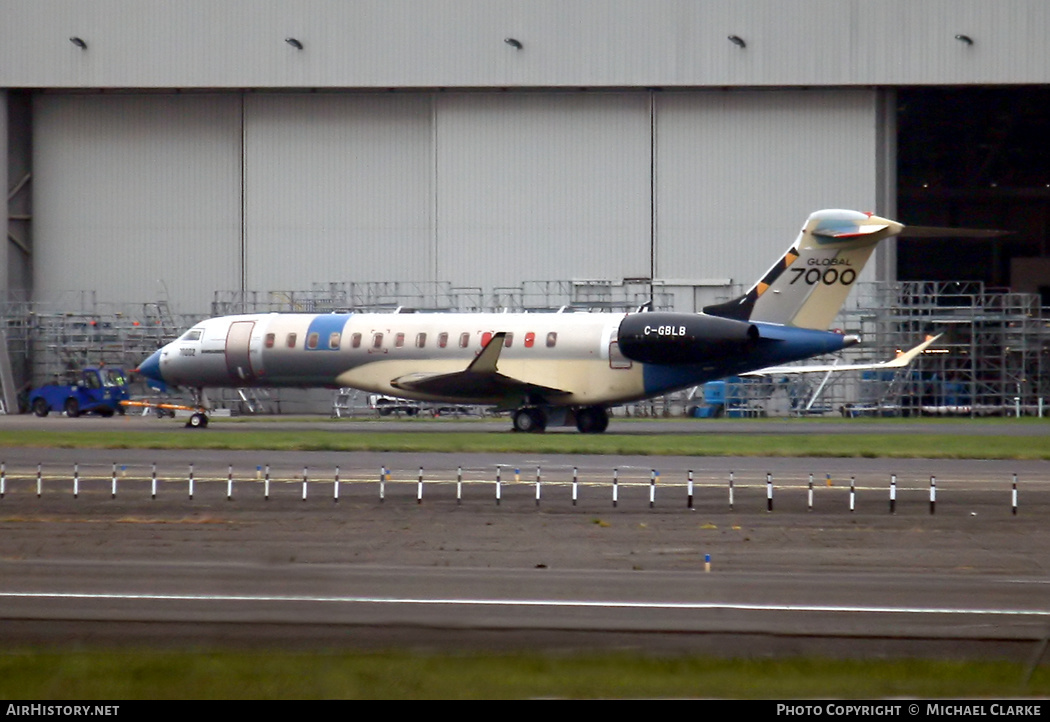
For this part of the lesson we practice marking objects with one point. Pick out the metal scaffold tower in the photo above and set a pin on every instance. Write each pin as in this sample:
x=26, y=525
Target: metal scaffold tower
x=991, y=359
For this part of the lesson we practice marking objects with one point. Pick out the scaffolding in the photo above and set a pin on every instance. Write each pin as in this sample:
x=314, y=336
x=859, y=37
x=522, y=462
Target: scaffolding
x=51, y=341
x=990, y=360
x=590, y=295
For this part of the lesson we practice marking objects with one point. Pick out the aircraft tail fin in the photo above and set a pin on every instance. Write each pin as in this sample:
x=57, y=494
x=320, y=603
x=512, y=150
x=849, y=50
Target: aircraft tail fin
x=808, y=285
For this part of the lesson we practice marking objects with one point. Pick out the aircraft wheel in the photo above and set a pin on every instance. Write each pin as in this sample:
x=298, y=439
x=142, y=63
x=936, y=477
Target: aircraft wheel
x=531, y=421
x=72, y=408
x=41, y=408
x=592, y=420
x=603, y=421
x=197, y=421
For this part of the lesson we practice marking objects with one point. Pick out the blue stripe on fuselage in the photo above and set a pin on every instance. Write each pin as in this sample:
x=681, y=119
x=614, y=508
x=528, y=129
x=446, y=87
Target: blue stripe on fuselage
x=777, y=345
x=324, y=326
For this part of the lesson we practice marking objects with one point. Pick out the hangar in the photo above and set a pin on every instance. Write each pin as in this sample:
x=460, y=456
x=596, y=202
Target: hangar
x=166, y=161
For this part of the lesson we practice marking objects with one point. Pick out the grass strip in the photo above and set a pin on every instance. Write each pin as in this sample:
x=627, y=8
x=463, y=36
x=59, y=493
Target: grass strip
x=875, y=445
x=133, y=675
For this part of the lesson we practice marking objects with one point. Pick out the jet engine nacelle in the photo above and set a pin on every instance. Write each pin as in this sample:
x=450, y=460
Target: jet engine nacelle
x=682, y=338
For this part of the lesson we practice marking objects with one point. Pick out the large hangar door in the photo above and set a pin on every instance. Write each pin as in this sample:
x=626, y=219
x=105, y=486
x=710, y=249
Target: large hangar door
x=338, y=187
x=540, y=186
x=136, y=197
x=737, y=172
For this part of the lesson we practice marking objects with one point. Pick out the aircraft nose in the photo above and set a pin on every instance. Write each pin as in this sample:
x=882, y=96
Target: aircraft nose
x=150, y=368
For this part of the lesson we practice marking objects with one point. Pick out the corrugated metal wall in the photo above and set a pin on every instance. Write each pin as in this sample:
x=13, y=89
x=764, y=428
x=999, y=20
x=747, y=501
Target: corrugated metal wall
x=337, y=188
x=738, y=172
x=136, y=196
x=565, y=43
x=140, y=197
x=542, y=186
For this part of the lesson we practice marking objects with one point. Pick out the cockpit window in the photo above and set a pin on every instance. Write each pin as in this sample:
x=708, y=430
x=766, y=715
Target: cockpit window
x=194, y=334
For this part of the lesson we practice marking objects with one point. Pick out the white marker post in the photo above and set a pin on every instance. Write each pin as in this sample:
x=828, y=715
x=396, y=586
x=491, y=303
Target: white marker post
x=266, y=484
x=809, y=505
x=306, y=478
x=229, y=482
x=1013, y=497
x=113, y=486
x=153, y=480
x=191, y=482
x=933, y=493
x=616, y=489
x=852, y=494
x=382, y=484
x=497, y=485
x=689, y=493
x=769, y=492
x=76, y=480
x=39, y=482
x=539, y=481
x=893, y=493
x=335, y=487
x=730, y=491
x=419, y=487
x=652, y=487
x=459, y=485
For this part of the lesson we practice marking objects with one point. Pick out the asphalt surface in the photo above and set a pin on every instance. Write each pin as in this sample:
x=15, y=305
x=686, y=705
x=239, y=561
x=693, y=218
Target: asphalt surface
x=446, y=565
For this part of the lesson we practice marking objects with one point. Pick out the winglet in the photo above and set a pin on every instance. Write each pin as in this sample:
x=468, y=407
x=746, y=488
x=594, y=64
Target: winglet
x=486, y=361
x=906, y=357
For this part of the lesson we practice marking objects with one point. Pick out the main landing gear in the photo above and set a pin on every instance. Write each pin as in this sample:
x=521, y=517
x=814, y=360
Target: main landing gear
x=531, y=420
x=589, y=419
x=592, y=419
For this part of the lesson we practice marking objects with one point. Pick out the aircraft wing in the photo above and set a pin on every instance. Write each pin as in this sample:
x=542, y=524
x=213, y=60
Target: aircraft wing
x=481, y=379
x=902, y=359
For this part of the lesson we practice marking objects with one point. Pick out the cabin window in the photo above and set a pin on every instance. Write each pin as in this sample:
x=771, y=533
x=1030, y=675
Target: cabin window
x=464, y=339
x=355, y=340
x=485, y=338
x=399, y=340
x=270, y=340
x=421, y=340
x=443, y=339
x=552, y=338
x=530, y=338
x=311, y=340
x=377, y=340
x=508, y=340
x=333, y=340
x=291, y=340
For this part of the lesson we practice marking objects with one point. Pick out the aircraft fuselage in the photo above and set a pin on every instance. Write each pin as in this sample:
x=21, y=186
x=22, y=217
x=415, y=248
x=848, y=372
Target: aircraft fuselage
x=579, y=353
